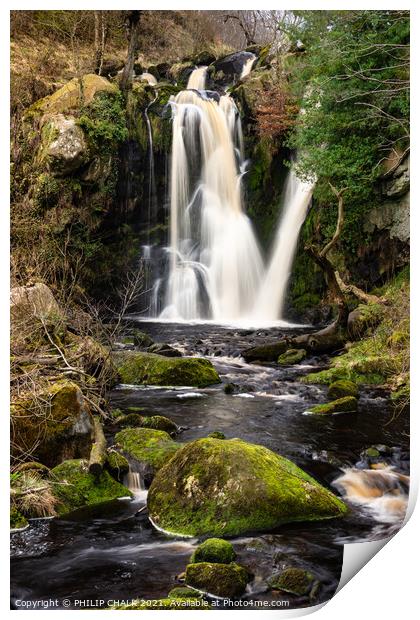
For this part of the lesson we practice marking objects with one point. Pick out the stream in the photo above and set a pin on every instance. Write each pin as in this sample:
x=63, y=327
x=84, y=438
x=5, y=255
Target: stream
x=116, y=554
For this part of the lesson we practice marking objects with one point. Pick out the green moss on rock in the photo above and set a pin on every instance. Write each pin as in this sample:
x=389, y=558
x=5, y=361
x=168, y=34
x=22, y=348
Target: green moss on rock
x=182, y=592
x=291, y=356
x=74, y=487
x=224, y=580
x=214, y=550
x=137, y=368
x=294, y=581
x=340, y=389
x=217, y=435
x=341, y=405
x=155, y=448
x=117, y=464
x=17, y=520
x=229, y=487
x=269, y=352
x=160, y=423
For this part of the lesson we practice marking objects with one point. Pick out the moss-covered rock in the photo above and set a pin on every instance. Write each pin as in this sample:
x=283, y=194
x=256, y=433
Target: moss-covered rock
x=117, y=465
x=339, y=389
x=269, y=352
x=293, y=581
x=341, y=405
x=137, y=368
x=160, y=423
x=183, y=592
x=154, y=448
x=161, y=348
x=214, y=550
x=165, y=603
x=74, y=487
x=39, y=468
x=17, y=520
x=217, y=435
x=131, y=420
x=53, y=425
x=229, y=487
x=141, y=339
x=362, y=318
x=73, y=95
x=224, y=580
x=291, y=356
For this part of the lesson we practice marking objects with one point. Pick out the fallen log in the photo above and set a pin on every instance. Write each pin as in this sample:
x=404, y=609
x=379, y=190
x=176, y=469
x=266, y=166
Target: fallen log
x=98, y=452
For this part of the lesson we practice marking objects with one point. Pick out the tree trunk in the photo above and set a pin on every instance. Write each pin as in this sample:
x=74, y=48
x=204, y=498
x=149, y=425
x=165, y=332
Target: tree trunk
x=132, y=28
x=98, y=452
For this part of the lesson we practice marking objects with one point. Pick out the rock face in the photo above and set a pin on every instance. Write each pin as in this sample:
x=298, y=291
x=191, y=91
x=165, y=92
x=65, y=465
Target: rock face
x=79, y=488
x=148, y=446
x=52, y=425
x=68, y=149
x=137, y=368
x=224, y=580
x=229, y=487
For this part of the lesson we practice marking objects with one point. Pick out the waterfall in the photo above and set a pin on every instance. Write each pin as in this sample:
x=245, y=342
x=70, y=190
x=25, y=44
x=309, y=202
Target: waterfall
x=152, y=207
x=214, y=269
x=149, y=78
x=270, y=301
x=134, y=481
x=215, y=261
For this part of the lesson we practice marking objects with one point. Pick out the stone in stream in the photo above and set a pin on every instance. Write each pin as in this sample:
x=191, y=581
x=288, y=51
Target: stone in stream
x=183, y=592
x=148, y=446
x=138, y=368
x=164, y=349
x=293, y=581
x=339, y=389
x=291, y=356
x=230, y=487
x=341, y=405
x=74, y=487
x=214, y=550
x=157, y=422
x=224, y=580
x=265, y=352
x=117, y=464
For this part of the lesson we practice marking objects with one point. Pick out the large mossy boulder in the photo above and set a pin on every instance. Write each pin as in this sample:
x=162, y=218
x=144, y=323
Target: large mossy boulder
x=229, y=487
x=138, y=368
x=148, y=446
x=64, y=145
x=224, y=580
x=53, y=424
x=214, y=550
x=291, y=356
x=269, y=352
x=340, y=389
x=74, y=487
x=347, y=404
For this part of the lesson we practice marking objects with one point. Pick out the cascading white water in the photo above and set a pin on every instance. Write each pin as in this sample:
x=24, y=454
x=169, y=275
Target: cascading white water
x=246, y=69
x=149, y=78
x=216, y=265
x=270, y=301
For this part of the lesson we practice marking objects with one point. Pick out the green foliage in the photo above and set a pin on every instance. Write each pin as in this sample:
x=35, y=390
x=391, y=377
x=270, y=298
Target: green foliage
x=103, y=121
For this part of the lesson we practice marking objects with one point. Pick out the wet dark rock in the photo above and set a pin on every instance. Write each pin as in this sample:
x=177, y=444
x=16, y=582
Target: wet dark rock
x=266, y=352
x=293, y=581
x=164, y=349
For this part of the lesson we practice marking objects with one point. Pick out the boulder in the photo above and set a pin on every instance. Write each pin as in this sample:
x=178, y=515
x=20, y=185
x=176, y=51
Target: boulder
x=224, y=580
x=266, y=352
x=141, y=339
x=77, y=488
x=293, y=581
x=164, y=349
x=138, y=368
x=229, y=487
x=160, y=423
x=341, y=405
x=117, y=465
x=291, y=356
x=362, y=318
x=342, y=388
x=53, y=424
x=35, y=301
x=214, y=550
x=65, y=148
x=76, y=93
x=148, y=446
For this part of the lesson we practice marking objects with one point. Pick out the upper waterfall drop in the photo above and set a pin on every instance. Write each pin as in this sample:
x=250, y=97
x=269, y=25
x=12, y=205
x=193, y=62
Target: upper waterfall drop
x=215, y=264
x=197, y=79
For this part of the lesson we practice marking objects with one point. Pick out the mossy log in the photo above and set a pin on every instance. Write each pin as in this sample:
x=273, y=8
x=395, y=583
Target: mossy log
x=98, y=454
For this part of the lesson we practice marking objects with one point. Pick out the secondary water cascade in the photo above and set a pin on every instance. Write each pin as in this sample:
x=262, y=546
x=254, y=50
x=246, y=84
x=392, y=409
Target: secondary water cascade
x=216, y=270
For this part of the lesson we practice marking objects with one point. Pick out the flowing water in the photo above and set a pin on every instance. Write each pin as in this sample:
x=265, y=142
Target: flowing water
x=115, y=553
x=216, y=270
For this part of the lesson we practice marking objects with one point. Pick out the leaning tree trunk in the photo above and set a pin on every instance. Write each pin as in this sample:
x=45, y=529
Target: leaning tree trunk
x=132, y=27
